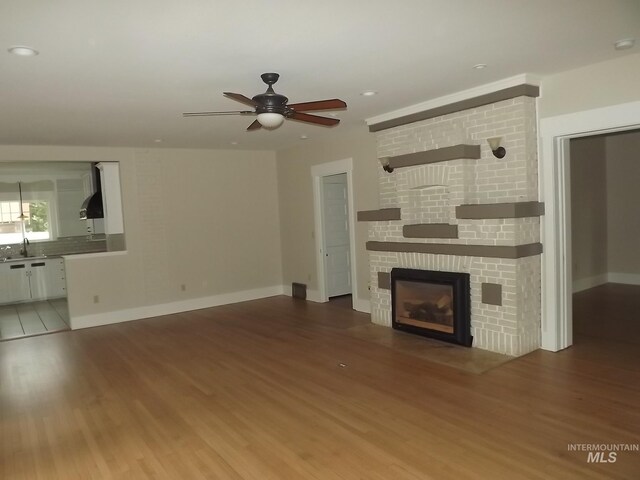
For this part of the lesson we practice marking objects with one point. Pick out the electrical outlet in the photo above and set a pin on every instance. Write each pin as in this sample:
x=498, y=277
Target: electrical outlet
x=96, y=299
x=183, y=287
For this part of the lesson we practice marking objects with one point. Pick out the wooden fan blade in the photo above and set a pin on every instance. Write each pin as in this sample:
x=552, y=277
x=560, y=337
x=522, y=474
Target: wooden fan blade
x=240, y=98
x=254, y=126
x=332, y=104
x=305, y=117
x=211, y=114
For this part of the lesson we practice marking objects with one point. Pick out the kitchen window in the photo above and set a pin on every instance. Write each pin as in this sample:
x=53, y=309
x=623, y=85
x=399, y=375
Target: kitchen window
x=37, y=224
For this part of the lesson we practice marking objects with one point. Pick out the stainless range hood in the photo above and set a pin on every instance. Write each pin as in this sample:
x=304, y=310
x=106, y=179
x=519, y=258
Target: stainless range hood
x=92, y=206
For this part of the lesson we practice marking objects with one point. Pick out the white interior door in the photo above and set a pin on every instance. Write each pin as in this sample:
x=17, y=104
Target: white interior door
x=336, y=234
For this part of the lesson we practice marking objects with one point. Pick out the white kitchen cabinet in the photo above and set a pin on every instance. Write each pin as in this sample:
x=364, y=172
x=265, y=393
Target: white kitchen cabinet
x=15, y=282
x=32, y=279
x=55, y=279
x=37, y=279
x=70, y=193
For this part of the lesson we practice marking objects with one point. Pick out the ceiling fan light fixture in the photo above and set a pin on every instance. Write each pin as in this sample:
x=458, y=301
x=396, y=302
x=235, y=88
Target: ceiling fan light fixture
x=270, y=119
x=625, y=44
x=23, y=51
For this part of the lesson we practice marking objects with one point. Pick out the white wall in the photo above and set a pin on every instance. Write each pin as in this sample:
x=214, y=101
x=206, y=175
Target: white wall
x=623, y=205
x=203, y=218
x=605, y=174
x=589, y=211
x=296, y=202
x=598, y=85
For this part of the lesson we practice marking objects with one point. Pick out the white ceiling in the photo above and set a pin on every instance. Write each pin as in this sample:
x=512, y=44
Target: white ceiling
x=121, y=72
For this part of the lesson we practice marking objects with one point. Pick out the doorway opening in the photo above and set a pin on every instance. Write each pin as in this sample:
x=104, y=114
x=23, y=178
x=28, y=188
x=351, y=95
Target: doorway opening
x=334, y=232
x=557, y=277
x=605, y=230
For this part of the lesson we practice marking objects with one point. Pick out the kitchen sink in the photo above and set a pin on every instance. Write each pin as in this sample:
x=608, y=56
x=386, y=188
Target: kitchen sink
x=22, y=259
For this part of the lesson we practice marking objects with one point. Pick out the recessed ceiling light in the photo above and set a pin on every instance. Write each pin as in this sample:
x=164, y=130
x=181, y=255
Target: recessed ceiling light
x=480, y=66
x=625, y=44
x=158, y=140
x=304, y=137
x=23, y=51
x=369, y=93
x=234, y=143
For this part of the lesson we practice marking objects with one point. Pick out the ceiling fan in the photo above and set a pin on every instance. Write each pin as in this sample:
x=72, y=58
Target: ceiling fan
x=272, y=108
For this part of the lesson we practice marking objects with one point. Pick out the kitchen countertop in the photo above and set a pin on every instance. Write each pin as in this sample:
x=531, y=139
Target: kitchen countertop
x=28, y=259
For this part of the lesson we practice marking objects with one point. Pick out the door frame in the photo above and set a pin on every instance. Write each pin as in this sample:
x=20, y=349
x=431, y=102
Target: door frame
x=317, y=172
x=555, y=134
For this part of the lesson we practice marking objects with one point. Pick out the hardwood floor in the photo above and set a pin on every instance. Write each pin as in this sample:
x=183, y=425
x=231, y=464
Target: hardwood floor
x=344, y=301
x=257, y=391
x=610, y=311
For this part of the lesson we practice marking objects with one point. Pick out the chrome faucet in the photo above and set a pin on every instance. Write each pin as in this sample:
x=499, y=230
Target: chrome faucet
x=23, y=251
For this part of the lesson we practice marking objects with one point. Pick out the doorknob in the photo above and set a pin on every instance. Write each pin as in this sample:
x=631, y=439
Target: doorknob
x=326, y=254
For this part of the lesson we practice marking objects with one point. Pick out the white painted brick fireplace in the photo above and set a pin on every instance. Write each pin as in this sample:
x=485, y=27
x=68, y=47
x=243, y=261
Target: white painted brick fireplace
x=430, y=193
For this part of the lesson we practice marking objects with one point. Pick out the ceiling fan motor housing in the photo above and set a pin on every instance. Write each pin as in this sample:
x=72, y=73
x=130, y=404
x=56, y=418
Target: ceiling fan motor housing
x=270, y=101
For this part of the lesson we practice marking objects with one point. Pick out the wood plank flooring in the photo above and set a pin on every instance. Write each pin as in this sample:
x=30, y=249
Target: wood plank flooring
x=35, y=318
x=610, y=311
x=256, y=391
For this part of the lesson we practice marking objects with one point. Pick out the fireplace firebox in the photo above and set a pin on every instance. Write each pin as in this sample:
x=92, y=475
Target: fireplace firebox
x=433, y=304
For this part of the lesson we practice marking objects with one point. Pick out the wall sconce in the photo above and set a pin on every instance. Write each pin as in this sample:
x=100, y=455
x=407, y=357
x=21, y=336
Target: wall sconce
x=494, y=144
x=384, y=161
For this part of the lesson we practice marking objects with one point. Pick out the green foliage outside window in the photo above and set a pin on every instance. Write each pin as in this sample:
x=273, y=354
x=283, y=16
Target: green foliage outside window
x=38, y=217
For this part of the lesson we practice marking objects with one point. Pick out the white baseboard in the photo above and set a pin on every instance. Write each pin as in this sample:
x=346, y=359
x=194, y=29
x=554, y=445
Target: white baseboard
x=627, y=278
x=361, y=305
x=611, y=277
x=589, y=282
x=314, y=296
x=137, y=313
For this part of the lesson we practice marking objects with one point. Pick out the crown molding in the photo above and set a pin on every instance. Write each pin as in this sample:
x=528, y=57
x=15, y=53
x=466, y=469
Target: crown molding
x=524, y=78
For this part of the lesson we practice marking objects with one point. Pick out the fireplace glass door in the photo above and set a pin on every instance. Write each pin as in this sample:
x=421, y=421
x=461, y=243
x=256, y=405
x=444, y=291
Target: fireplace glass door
x=425, y=305
x=431, y=303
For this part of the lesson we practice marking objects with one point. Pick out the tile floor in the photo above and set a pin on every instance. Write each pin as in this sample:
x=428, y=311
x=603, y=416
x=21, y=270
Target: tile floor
x=35, y=318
